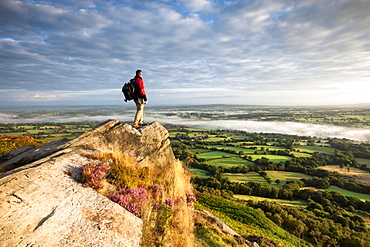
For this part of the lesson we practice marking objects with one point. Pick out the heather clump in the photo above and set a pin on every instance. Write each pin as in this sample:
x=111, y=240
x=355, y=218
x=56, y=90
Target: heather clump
x=131, y=199
x=92, y=175
x=157, y=191
x=190, y=198
x=160, y=195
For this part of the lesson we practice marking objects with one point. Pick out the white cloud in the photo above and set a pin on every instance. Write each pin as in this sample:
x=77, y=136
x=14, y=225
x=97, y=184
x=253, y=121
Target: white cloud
x=196, y=5
x=259, y=48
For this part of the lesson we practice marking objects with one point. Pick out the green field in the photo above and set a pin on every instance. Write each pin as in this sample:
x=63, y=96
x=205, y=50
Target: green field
x=243, y=178
x=363, y=161
x=232, y=148
x=259, y=147
x=349, y=193
x=214, y=139
x=294, y=203
x=274, y=175
x=273, y=158
x=297, y=154
x=214, y=155
x=229, y=162
x=199, y=150
x=199, y=173
x=284, y=176
x=312, y=149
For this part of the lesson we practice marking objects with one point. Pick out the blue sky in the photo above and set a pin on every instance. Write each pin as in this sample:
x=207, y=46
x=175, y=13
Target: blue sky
x=260, y=52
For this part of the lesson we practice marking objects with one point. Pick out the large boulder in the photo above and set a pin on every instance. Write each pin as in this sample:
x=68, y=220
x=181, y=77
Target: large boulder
x=43, y=204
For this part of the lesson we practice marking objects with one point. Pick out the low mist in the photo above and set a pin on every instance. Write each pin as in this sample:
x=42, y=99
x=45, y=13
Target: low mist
x=302, y=129
x=291, y=128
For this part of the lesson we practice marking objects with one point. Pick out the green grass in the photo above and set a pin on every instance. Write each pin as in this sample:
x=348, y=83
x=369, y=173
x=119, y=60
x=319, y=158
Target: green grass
x=199, y=150
x=312, y=149
x=363, y=161
x=237, y=137
x=273, y=158
x=269, y=147
x=199, y=173
x=297, y=154
x=229, y=162
x=349, y=193
x=283, y=176
x=243, y=142
x=247, y=221
x=214, y=155
x=214, y=139
x=244, y=178
x=294, y=203
x=237, y=149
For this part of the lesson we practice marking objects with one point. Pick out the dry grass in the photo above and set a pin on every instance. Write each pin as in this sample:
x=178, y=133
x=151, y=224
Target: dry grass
x=359, y=175
x=179, y=232
x=163, y=226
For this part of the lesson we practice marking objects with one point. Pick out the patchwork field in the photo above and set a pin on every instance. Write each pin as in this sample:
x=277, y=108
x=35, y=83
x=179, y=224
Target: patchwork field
x=284, y=176
x=274, y=175
x=294, y=203
x=237, y=149
x=229, y=162
x=198, y=173
x=214, y=155
x=359, y=175
x=349, y=193
x=247, y=177
x=297, y=154
x=312, y=149
x=273, y=158
x=363, y=161
x=199, y=150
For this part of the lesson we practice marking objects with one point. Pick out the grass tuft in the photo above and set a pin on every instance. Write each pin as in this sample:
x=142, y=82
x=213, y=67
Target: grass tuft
x=166, y=207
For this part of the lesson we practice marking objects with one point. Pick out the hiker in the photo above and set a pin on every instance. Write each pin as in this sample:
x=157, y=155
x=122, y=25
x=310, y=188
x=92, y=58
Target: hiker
x=140, y=99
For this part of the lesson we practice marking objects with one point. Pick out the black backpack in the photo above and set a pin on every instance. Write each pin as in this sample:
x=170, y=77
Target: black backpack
x=128, y=89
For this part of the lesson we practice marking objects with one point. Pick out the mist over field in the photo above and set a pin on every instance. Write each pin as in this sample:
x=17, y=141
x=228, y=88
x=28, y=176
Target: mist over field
x=292, y=128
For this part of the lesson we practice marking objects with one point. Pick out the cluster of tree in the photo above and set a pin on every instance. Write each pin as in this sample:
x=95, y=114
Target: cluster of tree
x=9, y=143
x=307, y=165
x=323, y=179
x=322, y=226
x=358, y=150
x=326, y=225
x=290, y=190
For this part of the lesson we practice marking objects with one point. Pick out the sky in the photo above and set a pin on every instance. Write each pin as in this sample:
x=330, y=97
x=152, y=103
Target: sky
x=253, y=52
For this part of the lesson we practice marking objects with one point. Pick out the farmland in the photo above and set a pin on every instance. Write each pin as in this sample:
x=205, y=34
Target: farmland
x=229, y=162
x=238, y=151
x=295, y=203
x=269, y=172
x=349, y=193
x=281, y=176
x=354, y=173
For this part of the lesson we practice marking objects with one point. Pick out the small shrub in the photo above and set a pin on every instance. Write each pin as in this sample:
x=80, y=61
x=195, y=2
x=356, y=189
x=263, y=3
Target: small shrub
x=169, y=202
x=131, y=199
x=190, y=198
x=157, y=191
x=165, y=214
x=92, y=175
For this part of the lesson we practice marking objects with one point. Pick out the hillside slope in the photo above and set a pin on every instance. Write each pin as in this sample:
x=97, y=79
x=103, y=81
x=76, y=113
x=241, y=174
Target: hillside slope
x=43, y=201
x=118, y=186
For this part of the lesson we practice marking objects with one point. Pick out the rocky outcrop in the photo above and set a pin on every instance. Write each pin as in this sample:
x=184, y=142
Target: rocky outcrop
x=42, y=203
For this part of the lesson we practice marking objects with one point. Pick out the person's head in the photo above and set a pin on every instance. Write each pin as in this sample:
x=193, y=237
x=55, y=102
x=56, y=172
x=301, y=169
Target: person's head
x=139, y=72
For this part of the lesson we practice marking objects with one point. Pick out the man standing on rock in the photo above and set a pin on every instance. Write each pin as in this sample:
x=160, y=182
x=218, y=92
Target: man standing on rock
x=140, y=99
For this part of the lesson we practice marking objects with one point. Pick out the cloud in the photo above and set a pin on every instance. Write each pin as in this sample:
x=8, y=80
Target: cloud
x=245, y=49
x=196, y=5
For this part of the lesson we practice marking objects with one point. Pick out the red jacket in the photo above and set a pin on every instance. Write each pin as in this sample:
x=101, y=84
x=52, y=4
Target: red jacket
x=140, y=92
